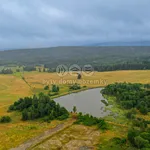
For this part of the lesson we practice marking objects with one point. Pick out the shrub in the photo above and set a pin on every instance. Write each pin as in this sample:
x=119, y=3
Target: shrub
x=89, y=120
x=75, y=87
x=5, y=119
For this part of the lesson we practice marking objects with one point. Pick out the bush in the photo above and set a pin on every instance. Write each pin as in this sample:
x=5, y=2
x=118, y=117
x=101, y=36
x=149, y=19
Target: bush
x=89, y=120
x=63, y=117
x=5, y=119
x=53, y=94
x=75, y=87
x=119, y=141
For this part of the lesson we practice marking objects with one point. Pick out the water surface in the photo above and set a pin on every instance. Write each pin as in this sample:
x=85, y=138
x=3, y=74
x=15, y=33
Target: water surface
x=88, y=101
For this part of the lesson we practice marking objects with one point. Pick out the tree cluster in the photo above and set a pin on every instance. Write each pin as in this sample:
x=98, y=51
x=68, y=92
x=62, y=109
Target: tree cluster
x=130, y=96
x=6, y=71
x=39, y=107
x=124, y=66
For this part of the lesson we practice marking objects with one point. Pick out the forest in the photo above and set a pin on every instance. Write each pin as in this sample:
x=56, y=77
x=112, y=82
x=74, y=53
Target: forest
x=101, y=58
x=130, y=95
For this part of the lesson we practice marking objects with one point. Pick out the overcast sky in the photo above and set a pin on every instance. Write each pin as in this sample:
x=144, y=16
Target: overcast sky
x=45, y=23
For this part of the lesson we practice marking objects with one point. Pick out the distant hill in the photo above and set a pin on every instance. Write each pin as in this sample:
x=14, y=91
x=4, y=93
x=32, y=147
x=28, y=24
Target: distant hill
x=135, y=43
x=97, y=56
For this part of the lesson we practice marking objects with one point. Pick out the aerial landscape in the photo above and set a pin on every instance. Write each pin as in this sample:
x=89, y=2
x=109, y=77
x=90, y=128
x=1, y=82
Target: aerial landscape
x=74, y=75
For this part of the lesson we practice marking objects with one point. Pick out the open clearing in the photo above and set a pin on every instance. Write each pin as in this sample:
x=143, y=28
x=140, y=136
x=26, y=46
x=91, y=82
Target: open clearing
x=13, y=87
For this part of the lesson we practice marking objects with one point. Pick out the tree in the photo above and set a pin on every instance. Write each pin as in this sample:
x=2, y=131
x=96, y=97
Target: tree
x=79, y=76
x=74, y=109
x=46, y=87
x=44, y=70
x=55, y=88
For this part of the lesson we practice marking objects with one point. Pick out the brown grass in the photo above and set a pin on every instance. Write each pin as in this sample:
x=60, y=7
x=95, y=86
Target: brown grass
x=13, y=87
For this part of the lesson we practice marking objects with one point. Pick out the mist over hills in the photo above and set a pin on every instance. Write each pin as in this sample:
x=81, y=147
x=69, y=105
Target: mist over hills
x=116, y=43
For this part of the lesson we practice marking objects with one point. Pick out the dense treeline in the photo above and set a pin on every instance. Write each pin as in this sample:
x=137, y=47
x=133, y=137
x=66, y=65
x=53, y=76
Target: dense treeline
x=29, y=68
x=6, y=71
x=39, y=107
x=124, y=66
x=130, y=95
x=89, y=120
x=108, y=67
x=121, y=58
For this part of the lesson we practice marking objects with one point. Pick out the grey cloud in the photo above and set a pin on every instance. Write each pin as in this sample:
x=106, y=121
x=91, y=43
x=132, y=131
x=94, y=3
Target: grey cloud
x=39, y=23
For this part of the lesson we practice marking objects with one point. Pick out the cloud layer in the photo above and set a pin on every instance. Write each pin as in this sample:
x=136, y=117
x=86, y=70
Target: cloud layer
x=45, y=23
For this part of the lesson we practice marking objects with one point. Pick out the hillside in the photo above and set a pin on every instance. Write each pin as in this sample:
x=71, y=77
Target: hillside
x=81, y=55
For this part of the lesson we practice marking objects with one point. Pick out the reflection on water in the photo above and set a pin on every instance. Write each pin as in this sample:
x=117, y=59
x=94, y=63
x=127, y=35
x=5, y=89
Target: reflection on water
x=86, y=102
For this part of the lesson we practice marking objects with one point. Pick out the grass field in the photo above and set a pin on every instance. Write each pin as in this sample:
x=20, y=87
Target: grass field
x=13, y=87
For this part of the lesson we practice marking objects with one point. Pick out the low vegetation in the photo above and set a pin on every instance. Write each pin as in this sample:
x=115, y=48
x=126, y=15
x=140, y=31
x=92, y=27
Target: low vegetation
x=89, y=120
x=75, y=87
